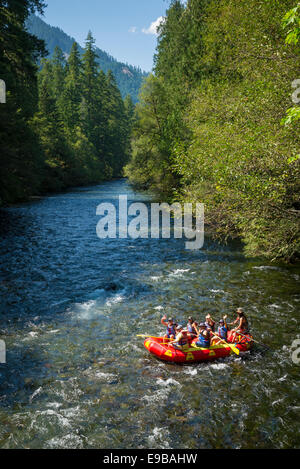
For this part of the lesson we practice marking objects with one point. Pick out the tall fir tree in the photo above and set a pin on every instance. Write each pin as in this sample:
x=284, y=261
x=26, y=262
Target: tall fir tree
x=116, y=126
x=59, y=72
x=88, y=83
x=72, y=94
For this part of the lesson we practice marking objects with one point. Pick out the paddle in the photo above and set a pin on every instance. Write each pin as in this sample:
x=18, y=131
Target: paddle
x=235, y=350
x=250, y=338
x=145, y=336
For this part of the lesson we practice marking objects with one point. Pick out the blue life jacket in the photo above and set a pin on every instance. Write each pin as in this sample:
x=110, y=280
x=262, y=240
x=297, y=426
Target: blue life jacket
x=222, y=332
x=190, y=328
x=203, y=341
x=170, y=331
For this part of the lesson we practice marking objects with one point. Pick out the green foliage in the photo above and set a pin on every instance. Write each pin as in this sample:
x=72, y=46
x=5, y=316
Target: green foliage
x=292, y=115
x=242, y=167
x=208, y=125
x=292, y=20
x=150, y=165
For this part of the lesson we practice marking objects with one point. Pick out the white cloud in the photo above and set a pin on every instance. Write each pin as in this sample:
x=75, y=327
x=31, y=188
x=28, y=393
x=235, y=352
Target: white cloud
x=153, y=26
x=133, y=29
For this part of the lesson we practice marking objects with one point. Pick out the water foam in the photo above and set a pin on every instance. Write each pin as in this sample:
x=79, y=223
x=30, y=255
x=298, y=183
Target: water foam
x=168, y=382
x=178, y=272
x=115, y=300
x=158, y=438
x=219, y=366
x=156, y=278
x=191, y=371
x=36, y=393
x=69, y=441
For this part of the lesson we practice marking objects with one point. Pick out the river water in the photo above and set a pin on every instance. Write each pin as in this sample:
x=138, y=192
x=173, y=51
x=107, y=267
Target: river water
x=76, y=374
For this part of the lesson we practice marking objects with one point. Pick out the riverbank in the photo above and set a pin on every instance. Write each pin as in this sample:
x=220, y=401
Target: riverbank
x=47, y=193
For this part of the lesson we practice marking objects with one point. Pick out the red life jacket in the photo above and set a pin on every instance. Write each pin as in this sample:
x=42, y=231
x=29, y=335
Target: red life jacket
x=171, y=331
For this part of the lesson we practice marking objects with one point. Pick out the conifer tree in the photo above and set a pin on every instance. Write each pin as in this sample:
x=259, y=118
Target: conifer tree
x=59, y=72
x=116, y=126
x=72, y=95
x=88, y=83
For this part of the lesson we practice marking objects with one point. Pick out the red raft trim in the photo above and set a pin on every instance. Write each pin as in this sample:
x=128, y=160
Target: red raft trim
x=157, y=346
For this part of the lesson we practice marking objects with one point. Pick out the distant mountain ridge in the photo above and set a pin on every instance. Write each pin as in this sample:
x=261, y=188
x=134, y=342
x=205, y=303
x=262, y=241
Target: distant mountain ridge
x=128, y=77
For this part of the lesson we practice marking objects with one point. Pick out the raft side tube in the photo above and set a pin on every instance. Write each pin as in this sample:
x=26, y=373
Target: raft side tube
x=192, y=354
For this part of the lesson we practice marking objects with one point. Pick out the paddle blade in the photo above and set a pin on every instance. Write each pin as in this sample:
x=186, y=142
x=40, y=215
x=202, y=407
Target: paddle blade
x=236, y=350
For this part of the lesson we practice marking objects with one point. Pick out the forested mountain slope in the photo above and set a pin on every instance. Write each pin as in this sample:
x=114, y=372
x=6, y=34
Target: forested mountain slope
x=128, y=78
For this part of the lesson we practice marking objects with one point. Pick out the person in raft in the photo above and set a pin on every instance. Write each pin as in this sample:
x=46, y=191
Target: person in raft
x=171, y=328
x=222, y=331
x=241, y=324
x=181, y=342
x=209, y=322
x=191, y=328
x=203, y=337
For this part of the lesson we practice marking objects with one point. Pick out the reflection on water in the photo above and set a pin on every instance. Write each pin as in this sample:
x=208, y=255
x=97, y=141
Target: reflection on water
x=78, y=377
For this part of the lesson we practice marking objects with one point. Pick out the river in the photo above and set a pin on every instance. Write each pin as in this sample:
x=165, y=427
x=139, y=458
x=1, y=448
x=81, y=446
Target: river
x=76, y=374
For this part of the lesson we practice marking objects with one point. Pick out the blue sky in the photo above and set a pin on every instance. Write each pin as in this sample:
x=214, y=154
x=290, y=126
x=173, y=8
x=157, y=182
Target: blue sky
x=123, y=28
